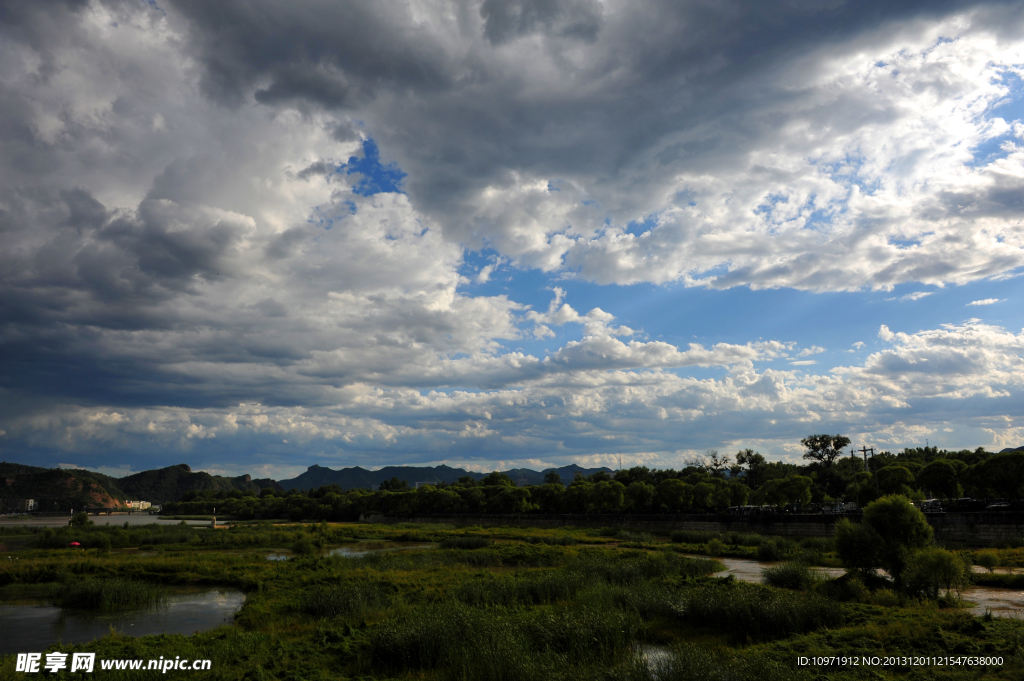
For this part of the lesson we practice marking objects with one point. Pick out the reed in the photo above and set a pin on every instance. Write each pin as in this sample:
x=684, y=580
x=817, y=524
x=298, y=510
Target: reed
x=465, y=543
x=793, y=575
x=759, y=612
x=327, y=601
x=108, y=594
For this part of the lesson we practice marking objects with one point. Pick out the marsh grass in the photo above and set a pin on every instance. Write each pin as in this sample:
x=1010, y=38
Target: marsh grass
x=108, y=594
x=554, y=541
x=758, y=612
x=353, y=600
x=461, y=642
x=465, y=543
x=793, y=575
x=687, y=662
x=589, y=572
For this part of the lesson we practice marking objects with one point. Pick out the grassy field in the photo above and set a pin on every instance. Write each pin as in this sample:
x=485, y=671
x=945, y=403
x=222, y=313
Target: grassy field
x=498, y=603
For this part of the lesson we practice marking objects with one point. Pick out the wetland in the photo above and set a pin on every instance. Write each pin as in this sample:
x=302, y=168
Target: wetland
x=443, y=602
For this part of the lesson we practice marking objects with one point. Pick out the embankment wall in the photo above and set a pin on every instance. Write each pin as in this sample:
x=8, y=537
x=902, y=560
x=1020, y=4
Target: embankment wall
x=968, y=529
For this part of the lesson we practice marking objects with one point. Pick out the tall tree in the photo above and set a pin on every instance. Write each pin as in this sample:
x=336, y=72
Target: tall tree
x=825, y=449
x=752, y=463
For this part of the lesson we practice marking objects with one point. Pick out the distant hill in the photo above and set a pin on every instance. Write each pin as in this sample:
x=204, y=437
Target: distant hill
x=169, y=484
x=349, y=478
x=1012, y=449
x=59, y=489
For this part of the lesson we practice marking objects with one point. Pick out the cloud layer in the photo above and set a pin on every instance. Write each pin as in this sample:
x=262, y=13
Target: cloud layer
x=241, y=229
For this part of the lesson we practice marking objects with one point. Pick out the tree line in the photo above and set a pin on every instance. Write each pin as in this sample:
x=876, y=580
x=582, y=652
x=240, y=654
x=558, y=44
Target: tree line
x=708, y=484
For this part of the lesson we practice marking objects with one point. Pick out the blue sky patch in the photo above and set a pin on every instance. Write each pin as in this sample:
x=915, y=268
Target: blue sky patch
x=374, y=176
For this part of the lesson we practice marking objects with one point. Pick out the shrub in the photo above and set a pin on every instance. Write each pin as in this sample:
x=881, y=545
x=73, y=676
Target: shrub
x=790, y=576
x=465, y=543
x=769, y=552
x=884, y=597
x=849, y=587
x=932, y=569
x=693, y=537
x=901, y=527
x=303, y=546
x=987, y=559
x=818, y=544
x=554, y=541
x=715, y=547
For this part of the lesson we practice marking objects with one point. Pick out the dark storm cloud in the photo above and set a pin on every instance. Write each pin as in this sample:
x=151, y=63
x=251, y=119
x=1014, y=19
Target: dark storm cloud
x=181, y=268
x=318, y=52
x=505, y=21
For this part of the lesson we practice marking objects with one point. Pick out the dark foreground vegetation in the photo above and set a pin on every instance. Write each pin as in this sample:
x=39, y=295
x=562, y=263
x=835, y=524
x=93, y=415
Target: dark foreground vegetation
x=519, y=604
x=710, y=484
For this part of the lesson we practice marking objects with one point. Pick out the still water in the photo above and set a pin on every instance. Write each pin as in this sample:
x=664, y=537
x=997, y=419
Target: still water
x=359, y=549
x=31, y=628
x=1001, y=602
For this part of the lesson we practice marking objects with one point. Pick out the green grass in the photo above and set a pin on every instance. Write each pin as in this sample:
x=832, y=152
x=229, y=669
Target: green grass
x=529, y=603
x=793, y=575
x=758, y=612
x=108, y=594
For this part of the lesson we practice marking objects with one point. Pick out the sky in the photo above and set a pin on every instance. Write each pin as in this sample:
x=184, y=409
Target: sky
x=254, y=236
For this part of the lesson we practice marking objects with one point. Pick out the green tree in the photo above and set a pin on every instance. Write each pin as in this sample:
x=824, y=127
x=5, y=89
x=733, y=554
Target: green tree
x=1004, y=473
x=797, y=490
x=857, y=545
x=896, y=480
x=988, y=560
x=577, y=498
x=395, y=485
x=639, y=497
x=825, y=449
x=772, y=492
x=608, y=496
x=80, y=519
x=510, y=500
x=752, y=464
x=497, y=479
x=552, y=478
x=862, y=489
x=942, y=477
x=675, y=496
x=902, y=529
x=704, y=496
x=548, y=497
x=932, y=569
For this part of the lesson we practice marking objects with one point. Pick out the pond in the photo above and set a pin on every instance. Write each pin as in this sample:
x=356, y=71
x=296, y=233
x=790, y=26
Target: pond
x=31, y=628
x=1000, y=602
x=359, y=549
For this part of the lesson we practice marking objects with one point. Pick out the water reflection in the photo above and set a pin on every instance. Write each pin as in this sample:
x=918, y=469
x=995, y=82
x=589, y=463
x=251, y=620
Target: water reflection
x=655, y=658
x=358, y=549
x=27, y=628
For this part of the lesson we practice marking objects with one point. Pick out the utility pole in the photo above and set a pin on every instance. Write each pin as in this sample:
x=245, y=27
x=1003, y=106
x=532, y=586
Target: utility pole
x=864, y=450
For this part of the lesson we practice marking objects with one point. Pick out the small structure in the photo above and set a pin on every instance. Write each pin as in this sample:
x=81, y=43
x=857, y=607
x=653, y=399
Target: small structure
x=18, y=505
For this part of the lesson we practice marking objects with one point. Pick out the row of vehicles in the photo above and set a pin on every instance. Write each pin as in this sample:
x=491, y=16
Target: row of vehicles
x=969, y=505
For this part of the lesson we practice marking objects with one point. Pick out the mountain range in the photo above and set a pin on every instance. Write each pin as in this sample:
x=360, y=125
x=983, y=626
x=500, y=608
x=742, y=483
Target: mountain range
x=63, y=489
